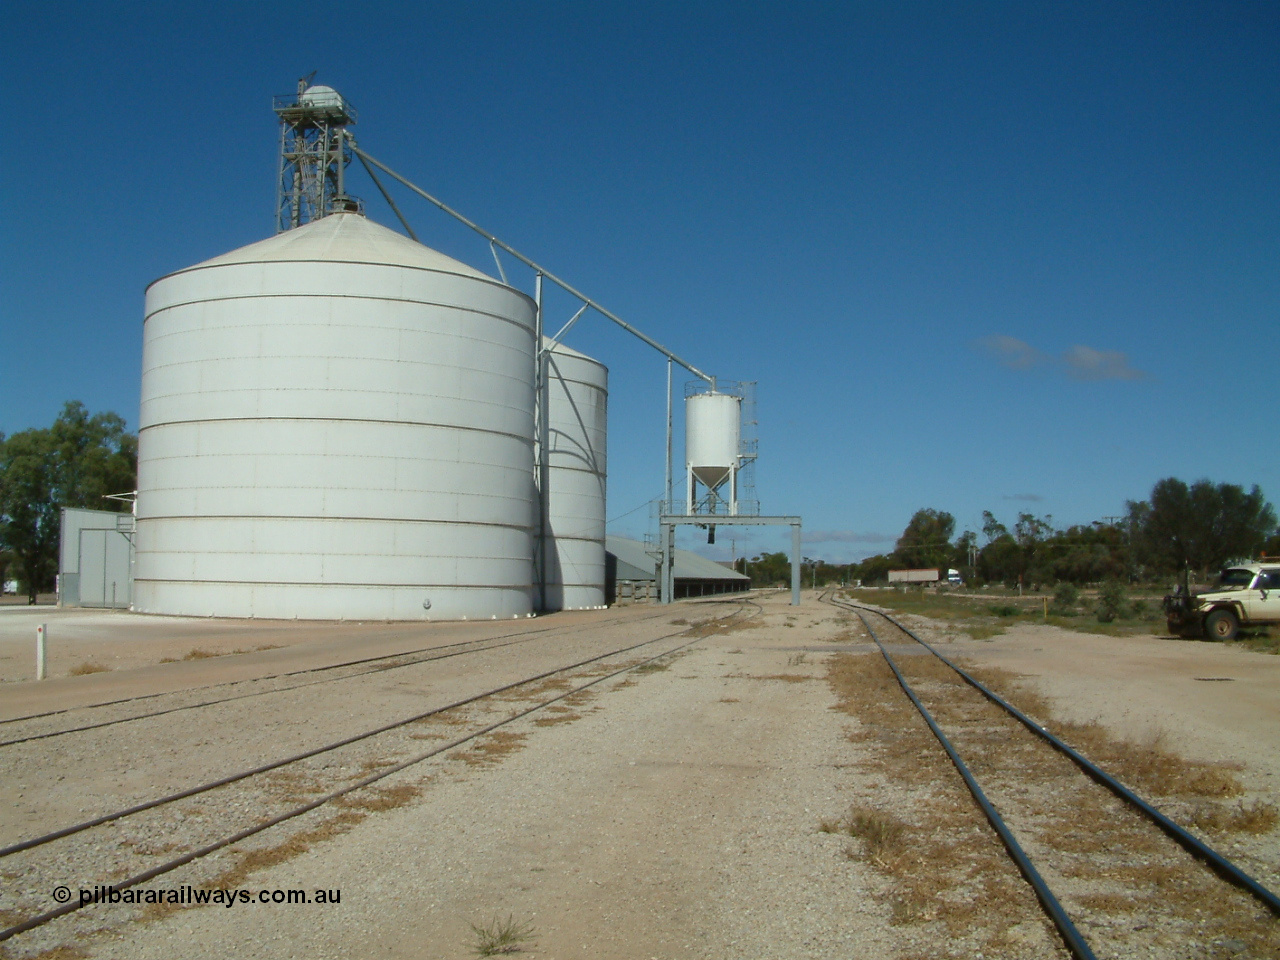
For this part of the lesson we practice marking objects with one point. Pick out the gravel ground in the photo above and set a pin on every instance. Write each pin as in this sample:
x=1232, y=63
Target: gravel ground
x=671, y=814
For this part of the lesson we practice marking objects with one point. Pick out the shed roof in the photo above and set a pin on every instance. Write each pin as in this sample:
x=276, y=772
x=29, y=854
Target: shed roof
x=635, y=564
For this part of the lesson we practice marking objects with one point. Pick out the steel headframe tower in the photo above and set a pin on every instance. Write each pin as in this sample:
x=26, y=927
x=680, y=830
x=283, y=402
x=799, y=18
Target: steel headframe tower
x=315, y=149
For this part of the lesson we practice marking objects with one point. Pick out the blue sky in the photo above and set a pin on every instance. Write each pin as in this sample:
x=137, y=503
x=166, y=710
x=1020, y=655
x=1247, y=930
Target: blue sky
x=978, y=256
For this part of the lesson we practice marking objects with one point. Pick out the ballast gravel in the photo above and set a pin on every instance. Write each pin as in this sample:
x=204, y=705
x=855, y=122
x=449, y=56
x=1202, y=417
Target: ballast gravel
x=676, y=817
x=670, y=814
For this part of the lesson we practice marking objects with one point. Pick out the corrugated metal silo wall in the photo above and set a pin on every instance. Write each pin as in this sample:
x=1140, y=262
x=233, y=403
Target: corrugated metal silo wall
x=573, y=552
x=328, y=439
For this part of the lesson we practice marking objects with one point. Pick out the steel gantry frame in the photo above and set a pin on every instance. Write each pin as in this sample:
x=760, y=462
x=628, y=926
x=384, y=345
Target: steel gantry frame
x=667, y=521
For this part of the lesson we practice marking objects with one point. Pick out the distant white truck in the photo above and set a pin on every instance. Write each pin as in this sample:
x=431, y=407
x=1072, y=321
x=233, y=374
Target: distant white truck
x=914, y=576
x=930, y=575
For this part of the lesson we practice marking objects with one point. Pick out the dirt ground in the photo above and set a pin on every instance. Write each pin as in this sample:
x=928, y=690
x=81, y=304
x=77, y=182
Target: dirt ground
x=671, y=814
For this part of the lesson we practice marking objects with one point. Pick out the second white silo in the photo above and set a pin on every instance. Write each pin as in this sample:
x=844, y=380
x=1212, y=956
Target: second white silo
x=570, y=557
x=336, y=422
x=712, y=439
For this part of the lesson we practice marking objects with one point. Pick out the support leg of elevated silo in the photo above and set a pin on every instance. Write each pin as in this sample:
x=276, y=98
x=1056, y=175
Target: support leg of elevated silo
x=795, y=564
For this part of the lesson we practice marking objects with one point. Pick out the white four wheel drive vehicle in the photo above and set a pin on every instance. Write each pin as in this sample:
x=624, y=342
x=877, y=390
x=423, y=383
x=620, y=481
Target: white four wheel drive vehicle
x=1246, y=595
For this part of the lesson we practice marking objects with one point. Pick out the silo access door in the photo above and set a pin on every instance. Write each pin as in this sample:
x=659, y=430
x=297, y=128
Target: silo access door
x=105, y=577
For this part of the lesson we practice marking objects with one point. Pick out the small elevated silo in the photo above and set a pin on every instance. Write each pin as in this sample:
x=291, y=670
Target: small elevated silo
x=336, y=422
x=712, y=440
x=570, y=561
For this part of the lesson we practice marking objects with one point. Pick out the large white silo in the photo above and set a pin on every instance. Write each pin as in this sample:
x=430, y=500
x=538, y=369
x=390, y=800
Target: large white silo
x=570, y=562
x=336, y=422
x=712, y=440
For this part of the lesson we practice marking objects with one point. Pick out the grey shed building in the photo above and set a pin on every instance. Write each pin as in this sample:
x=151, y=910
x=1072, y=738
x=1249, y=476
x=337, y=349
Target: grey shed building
x=632, y=574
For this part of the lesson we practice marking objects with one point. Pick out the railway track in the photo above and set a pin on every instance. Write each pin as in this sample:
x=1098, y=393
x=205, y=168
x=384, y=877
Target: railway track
x=165, y=833
x=162, y=704
x=987, y=739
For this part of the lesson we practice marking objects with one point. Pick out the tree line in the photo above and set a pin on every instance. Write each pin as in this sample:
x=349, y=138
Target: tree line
x=77, y=462
x=1181, y=530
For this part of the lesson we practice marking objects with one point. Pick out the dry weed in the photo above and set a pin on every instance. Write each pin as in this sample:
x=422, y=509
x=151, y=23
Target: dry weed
x=1257, y=817
x=266, y=857
x=555, y=715
x=944, y=868
x=946, y=865
x=60, y=952
x=1149, y=765
x=86, y=668
x=379, y=799
x=784, y=677
x=491, y=748
x=881, y=833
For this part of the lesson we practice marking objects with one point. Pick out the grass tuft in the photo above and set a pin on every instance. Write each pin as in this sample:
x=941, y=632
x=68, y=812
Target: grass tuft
x=88, y=667
x=501, y=936
x=882, y=834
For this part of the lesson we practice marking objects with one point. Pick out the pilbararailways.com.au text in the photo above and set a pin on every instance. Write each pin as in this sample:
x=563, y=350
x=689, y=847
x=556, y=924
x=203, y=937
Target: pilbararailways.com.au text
x=189, y=896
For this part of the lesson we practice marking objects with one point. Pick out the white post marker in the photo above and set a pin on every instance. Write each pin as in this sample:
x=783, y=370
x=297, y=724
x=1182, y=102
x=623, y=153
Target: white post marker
x=41, y=635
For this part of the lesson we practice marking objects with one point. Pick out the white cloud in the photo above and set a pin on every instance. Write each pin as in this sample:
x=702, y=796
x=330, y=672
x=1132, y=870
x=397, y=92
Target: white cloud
x=1011, y=352
x=1086, y=363
x=1079, y=363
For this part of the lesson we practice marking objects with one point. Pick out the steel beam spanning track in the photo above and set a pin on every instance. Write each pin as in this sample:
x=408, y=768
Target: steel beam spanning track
x=149, y=874
x=1074, y=940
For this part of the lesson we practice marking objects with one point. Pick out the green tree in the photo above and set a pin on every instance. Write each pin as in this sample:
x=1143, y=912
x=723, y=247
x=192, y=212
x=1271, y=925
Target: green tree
x=874, y=569
x=1201, y=526
x=769, y=569
x=1111, y=601
x=73, y=463
x=992, y=528
x=964, y=552
x=1032, y=533
x=1086, y=554
x=1272, y=547
x=28, y=511
x=1018, y=556
x=926, y=542
x=1000, y=560
x=95, y=457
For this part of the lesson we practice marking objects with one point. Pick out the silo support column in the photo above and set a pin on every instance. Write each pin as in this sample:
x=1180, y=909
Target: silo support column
x=795, y=564
x=668, y=534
